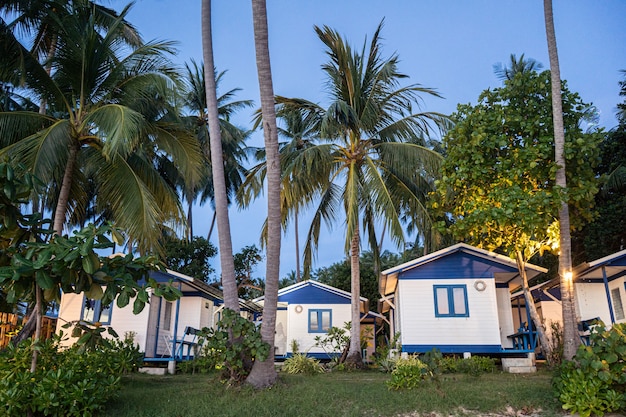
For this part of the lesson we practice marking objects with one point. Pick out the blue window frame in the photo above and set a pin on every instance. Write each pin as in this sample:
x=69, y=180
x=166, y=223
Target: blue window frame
x=320, y=320
x=451, y=301
x=94, y=311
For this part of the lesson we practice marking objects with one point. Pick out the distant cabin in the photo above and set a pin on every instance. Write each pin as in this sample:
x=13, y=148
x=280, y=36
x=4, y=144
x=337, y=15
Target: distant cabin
x=457, y=300
x=600, y=288
x=309, y=309
x=161, y=322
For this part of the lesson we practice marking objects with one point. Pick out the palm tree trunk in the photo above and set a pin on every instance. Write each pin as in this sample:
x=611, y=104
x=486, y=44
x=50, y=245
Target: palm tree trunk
x=354, y=357
x=263, y=373
x=212, y=226
x=298, y=277
x=571, y=339
x=38, y=313
x=66, y=185
x=229, y=283
x=530, y=306
x=189, y=221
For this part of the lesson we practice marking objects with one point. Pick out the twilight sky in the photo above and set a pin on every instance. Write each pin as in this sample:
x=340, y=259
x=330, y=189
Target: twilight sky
x=449, y=45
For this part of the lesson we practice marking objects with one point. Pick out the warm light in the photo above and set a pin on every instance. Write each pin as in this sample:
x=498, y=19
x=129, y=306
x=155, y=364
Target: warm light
x=568, y=275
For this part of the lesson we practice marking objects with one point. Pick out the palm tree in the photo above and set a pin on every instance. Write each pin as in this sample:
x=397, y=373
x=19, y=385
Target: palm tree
x=515, y=67
x=570, y=329
x=105, y=123
x=263, y=372
x=229, y=283
x=234, y=151
x=368, y=157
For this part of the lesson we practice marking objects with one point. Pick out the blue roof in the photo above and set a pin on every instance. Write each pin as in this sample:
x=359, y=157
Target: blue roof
x=311, y=292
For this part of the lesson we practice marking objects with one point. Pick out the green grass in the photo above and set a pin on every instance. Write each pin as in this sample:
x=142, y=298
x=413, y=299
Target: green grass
x=335, y=394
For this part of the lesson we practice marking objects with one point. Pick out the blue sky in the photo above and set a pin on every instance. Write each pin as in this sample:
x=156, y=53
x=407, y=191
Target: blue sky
x=449, y=45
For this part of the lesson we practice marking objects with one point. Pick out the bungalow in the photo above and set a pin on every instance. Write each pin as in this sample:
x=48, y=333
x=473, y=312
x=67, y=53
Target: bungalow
x=456, y=300
x=600, y=289
x=309, y=309
x=160, y=328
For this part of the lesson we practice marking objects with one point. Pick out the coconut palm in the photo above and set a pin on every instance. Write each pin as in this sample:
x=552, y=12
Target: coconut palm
x=233, y=137
x=570, y=330
x=263, y=372
x=516, y=66
x=105, y=122
x=369, y=157
x=229, y=283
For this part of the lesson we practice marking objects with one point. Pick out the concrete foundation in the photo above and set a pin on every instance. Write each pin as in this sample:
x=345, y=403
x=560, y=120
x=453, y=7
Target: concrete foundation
x=153, y=371
x=520, y=365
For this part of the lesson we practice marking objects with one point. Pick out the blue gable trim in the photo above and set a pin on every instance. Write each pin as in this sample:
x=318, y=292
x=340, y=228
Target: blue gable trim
x=453, y=348
x=310, y=294
x=457, y=265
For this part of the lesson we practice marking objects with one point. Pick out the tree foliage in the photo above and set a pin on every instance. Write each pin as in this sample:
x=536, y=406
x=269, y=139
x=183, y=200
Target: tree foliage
x=498, y=179
x=246, y=261
x=190, y=258
x=338, y=274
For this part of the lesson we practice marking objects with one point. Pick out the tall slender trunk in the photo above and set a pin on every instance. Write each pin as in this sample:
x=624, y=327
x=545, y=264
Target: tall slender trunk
x=189, y=221
x=571, y=339
x=530, y=306
x=229, y=283
x=212, y=226
x=66, y=185
x=263, y=373
x=298, y=277
x=354, y=357
x=38, y=313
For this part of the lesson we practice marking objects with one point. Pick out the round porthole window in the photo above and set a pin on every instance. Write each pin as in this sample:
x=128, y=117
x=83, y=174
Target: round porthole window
x=298, y=309
x=480, y=285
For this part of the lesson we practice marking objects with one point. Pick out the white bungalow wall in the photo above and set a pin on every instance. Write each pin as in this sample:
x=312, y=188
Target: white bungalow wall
x=592, y=301
x=298, y=325
x=122, y=319
x=505, y=316
x=281, y=342
x=419, y=326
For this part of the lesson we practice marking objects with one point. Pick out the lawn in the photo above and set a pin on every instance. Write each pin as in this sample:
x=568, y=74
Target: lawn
x=336, y=394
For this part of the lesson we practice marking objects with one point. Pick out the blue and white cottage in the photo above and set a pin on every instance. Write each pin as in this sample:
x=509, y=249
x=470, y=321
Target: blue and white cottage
x=457, y=300
x=309, y=309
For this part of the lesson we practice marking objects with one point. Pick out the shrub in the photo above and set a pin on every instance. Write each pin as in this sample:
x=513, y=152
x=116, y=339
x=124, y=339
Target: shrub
x=69, y=382
x=300, y=363
x=595, y=381
x=556, y=343
x=409, y=373
x=234, y=346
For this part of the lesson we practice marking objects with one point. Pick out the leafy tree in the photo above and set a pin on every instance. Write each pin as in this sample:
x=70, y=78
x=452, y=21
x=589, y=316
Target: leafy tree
x=245, y=263
x=607, y=233
x=499, y=177
x=190, y=258
x=37, y=264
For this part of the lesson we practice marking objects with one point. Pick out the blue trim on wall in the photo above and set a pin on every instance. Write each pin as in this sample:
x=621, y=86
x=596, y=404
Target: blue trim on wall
x=316, y=355
x=502, y=285
x=310, y=294
x=453, y=348
x=452, y=307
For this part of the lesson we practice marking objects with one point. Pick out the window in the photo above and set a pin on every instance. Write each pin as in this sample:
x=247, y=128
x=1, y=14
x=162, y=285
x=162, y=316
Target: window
x=618, y=307
x=167, y=316
x=451, y=301
x=320, y=321
x=93, y=311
